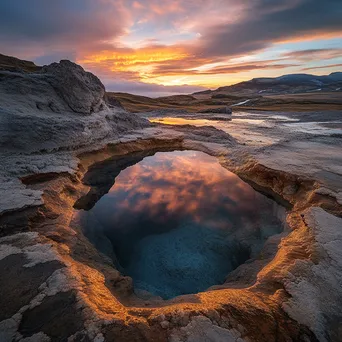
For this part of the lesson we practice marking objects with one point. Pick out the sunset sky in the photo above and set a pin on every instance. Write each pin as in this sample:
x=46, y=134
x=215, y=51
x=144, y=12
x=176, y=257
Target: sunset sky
x=155, y=47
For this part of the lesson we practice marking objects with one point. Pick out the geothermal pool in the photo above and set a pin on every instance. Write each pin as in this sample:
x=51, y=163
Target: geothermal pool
x=178, y=222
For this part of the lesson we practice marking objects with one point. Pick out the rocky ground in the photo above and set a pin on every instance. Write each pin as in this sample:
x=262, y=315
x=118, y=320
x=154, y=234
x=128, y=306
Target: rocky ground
x=55, y=286
x=283, y=102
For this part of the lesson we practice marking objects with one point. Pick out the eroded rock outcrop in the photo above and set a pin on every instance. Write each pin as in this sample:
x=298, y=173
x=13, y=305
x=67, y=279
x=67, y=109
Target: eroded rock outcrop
x=60, y=106
x=58, y=88
x=82, y=91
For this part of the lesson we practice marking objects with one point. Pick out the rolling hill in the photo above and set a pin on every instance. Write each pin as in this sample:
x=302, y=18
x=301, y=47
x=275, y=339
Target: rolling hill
x=287, y=84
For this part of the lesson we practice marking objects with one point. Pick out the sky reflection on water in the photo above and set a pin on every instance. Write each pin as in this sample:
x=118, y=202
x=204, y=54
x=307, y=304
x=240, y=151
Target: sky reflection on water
x=175, y=215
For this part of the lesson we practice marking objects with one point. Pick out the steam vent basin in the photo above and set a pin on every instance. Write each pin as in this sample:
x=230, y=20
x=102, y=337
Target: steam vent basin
x=168, y=226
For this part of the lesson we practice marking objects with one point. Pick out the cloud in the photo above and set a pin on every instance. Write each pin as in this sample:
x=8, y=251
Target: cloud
x=60, y=26
x=149, y=89
x=224, y=28
x=152, y=41
x=266, y=22
x=323, y=67
x=313, y=54
x=260, y=24
x=179, y=68
x=138, y=5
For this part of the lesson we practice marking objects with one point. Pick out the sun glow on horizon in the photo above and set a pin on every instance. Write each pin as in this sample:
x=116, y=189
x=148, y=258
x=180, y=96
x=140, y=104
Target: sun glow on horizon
x=177, y=65
x=179, y=43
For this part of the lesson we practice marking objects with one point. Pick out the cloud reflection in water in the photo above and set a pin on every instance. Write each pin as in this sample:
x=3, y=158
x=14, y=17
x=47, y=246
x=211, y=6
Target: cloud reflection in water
x=178, y=215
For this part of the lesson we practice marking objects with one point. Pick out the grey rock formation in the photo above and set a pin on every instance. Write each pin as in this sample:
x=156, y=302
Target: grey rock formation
x=59, y=107
x=82, y=91
x=46, y=116
x=59, y=87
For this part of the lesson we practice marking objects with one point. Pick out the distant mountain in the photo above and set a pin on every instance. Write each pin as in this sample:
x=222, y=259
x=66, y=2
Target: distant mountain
x=287, y=84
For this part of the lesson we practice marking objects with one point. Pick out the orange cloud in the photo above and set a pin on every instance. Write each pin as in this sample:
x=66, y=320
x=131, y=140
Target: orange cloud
x=138, y=5
x=117, y=38
x=324, y=67
x=131, y=59
x=167, y=7
x=175, y=186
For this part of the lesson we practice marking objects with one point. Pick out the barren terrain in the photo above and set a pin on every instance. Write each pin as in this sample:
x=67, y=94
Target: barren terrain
x=56, y=125
x=305, y=102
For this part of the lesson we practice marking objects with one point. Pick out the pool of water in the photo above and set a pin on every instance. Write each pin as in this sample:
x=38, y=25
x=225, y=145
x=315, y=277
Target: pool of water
x=177, y=222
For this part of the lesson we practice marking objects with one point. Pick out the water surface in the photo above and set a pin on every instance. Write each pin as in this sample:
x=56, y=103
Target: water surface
x=178, y=223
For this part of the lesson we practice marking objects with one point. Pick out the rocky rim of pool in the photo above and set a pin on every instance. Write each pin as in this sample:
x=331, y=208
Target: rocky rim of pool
x=253, y=293
x=176, y=222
